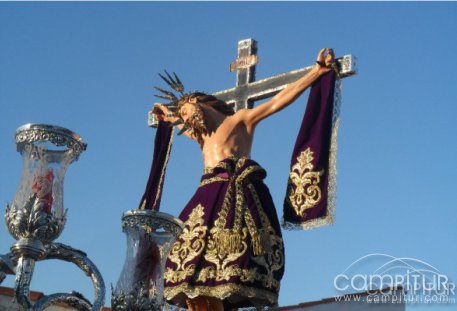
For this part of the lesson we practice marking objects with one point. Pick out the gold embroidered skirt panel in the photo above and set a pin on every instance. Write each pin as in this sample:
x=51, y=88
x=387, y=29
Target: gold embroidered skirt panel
x=231, y=247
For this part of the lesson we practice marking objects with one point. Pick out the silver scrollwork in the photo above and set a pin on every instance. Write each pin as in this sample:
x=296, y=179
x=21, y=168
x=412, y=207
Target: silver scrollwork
x=24, y=275
x=59, y=136
x=36, y=216
x=136, y=300
x=152, y=219
x=79, y=258
x=31, y=222
x=25, y=268
x=150, y=235
x=74, y=300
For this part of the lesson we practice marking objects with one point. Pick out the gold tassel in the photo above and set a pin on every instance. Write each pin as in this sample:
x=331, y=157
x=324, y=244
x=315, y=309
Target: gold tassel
x=257, y=248
x=261, y=243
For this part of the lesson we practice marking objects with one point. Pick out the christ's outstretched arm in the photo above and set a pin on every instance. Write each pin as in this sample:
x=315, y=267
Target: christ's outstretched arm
x=291, y=92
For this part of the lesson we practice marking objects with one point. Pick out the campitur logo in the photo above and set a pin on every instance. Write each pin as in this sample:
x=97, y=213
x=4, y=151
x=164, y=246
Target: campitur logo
x=381, y=276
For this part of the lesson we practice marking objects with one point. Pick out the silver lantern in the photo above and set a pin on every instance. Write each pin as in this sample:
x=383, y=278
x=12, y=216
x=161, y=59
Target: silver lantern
x=37, y=216
x=150, y=236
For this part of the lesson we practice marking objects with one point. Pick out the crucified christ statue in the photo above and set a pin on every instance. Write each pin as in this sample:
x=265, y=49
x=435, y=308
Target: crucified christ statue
x=230, y=253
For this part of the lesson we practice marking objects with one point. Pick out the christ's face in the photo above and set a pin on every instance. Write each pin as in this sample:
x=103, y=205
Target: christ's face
x=186, y=111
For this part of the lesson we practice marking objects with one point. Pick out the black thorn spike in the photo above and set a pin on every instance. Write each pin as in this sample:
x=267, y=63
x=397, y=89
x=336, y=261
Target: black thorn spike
x=180, y=86
x=177, y=78
x=166, y=80
x=170, y=77
x=163, y=97
x=166, y=92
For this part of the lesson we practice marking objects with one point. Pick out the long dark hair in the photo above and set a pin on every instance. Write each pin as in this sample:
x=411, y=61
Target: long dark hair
x=213, y=102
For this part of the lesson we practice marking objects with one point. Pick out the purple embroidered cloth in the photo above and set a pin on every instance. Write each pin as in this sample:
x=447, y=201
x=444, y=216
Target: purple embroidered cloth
x=231, y=247
x=310, y=195
x=162, y=147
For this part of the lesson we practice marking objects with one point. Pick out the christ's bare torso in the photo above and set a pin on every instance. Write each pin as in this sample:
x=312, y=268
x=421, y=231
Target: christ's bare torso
x=231, y=138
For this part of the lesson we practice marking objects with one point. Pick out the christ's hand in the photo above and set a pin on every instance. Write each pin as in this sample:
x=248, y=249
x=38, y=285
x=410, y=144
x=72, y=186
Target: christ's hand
x=325, y=61
x=163, y=113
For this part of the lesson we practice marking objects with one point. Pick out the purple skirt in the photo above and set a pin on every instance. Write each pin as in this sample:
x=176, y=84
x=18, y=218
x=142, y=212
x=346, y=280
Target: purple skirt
x=231, y=247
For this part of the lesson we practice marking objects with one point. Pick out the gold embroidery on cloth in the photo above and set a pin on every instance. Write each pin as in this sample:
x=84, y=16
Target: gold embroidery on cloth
x=193, y=243
x=329, y=216
x=226, y=244
x=270, y=246
x=307, y=192
x=211, y=180
x=221, y=292
x=223, y=165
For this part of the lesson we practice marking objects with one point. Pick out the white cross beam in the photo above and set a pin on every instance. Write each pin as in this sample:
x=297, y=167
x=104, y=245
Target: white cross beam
x=247, y=90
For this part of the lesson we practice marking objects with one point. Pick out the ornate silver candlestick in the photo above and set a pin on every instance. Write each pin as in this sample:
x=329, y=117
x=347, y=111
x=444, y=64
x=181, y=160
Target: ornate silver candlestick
x=150, y=235
x=37, y=217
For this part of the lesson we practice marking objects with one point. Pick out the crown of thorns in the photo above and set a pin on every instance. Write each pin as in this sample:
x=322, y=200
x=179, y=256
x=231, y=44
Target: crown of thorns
x=175, y=101
x=175, y=84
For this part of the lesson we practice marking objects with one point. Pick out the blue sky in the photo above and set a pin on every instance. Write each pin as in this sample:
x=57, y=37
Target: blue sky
x=90, y=67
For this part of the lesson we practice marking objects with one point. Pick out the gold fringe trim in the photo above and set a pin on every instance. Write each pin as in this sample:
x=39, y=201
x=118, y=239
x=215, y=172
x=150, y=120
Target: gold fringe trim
x=222, y=292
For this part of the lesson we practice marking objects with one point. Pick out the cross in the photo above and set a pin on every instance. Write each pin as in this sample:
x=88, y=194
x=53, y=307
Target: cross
x=247, y=90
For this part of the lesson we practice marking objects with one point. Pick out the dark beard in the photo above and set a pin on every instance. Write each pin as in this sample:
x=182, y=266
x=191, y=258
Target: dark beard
x=197, y=122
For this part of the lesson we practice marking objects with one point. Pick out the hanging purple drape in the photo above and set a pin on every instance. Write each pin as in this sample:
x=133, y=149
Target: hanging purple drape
x=162, y=147
x=311, y=186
